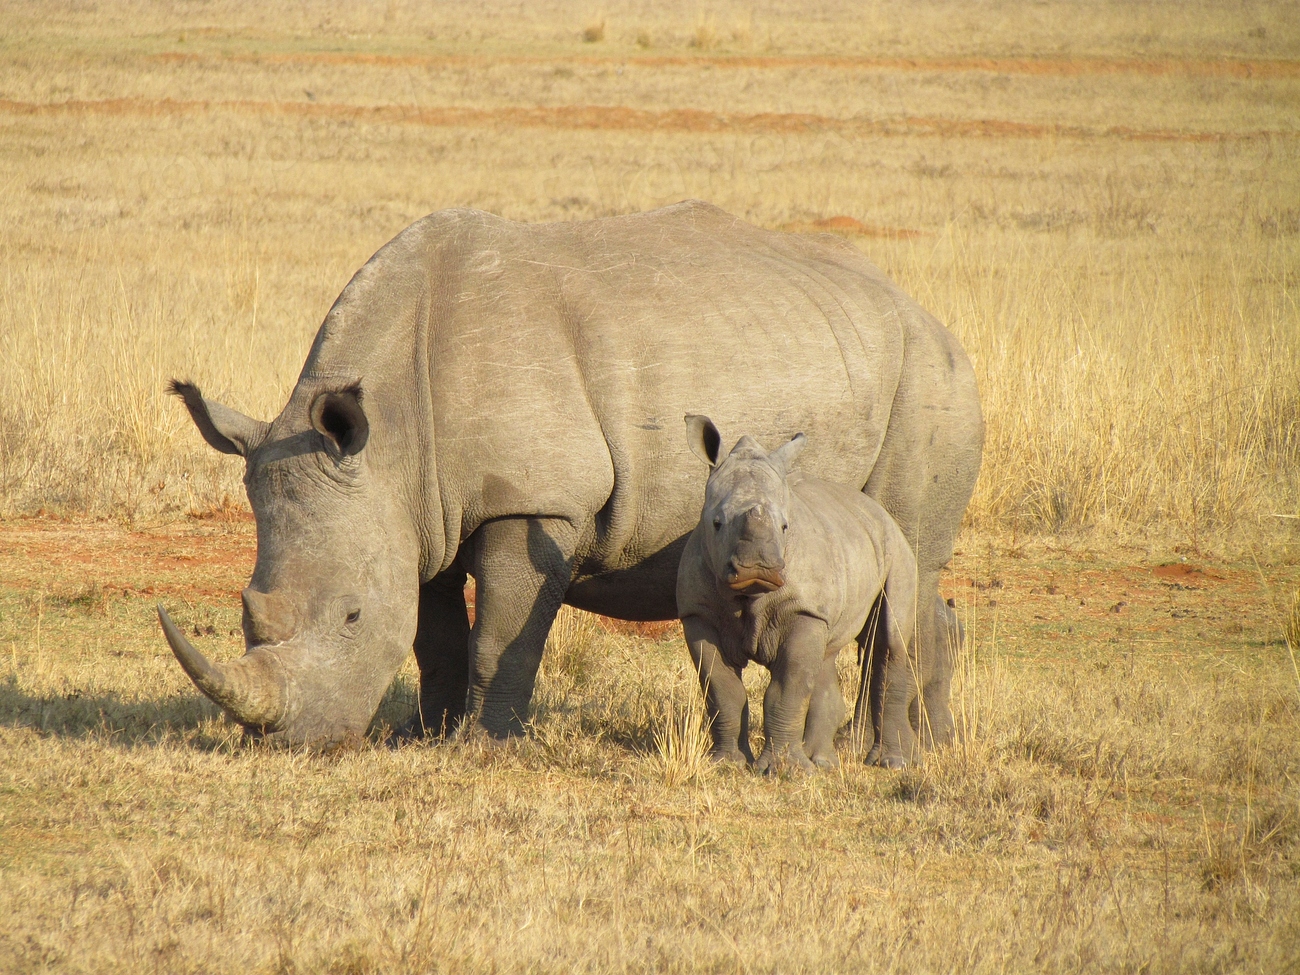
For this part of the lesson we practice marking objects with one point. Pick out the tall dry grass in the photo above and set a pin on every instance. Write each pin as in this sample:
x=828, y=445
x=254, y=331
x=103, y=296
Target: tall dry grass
x=1127, y=383
x=1129, y=304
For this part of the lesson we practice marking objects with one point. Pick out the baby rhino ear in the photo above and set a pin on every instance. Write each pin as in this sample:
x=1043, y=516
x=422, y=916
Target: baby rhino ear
x=784, y=455
x=704, y=439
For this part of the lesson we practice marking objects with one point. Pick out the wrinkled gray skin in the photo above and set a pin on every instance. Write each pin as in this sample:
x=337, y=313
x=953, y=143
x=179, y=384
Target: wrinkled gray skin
x=785, y=570
x=500, y=399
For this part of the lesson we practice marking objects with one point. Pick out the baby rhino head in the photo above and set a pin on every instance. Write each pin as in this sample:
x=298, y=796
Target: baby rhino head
x=746, y=508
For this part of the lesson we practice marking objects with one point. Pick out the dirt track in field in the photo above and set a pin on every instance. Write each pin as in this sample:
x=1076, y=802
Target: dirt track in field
x=615, y=117
x=1066, y=67
x=1053, y=598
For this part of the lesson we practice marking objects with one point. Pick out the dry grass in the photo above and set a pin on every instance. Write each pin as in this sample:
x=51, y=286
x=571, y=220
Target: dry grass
x=1101, y=201
x=1117, y=249
x=1123, y=799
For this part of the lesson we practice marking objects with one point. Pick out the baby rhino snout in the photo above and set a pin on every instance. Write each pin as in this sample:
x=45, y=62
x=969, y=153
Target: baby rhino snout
x=754, y=577
x=756, y=564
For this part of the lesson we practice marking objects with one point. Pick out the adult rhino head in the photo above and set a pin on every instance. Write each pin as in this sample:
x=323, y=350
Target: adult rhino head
x=746, y=503
x=331, y=608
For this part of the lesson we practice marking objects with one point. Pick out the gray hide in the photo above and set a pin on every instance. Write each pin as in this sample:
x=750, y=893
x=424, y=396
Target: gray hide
x=785, y=570
x=503, y=400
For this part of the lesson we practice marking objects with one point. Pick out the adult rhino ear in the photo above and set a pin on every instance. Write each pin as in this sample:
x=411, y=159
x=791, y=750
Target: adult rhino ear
x=704, y=439
x=338, y=417
x=784, y=455
x=229, y=431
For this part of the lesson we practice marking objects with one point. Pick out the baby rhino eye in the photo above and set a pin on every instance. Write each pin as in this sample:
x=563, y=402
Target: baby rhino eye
x=354, y=616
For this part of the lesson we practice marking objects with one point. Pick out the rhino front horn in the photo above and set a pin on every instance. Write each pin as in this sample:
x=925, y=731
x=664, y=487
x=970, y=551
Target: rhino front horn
x=249, y=689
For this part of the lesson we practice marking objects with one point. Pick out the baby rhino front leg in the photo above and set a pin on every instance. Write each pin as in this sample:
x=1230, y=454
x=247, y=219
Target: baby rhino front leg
x=796, y=672
x=725, y=700
x=825, y=715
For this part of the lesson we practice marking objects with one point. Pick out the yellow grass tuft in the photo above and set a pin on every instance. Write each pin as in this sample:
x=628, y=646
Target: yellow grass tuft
x=682, y=741
x=705, y=35
x=571, y=646
x=1291, y=624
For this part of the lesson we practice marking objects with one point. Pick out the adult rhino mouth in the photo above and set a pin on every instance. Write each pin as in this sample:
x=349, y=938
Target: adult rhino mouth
x=251, y=689
x=754, y=581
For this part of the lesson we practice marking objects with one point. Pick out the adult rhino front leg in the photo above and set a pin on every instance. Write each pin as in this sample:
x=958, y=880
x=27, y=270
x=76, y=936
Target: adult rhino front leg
x=442, y=653
x=522, y=568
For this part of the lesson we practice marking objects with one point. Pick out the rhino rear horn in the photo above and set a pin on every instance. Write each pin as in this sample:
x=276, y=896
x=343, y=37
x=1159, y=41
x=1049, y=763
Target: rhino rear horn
x=229, y=431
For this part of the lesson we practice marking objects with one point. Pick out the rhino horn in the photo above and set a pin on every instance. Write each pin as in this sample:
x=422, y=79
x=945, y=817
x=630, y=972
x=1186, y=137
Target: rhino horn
x=249, y=689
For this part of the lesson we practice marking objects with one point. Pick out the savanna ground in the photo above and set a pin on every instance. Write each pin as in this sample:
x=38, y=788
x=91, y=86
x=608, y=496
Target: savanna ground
x=1101, y=199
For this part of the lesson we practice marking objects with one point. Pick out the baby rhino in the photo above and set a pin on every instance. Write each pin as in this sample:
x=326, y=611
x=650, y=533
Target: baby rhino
x=785, y=570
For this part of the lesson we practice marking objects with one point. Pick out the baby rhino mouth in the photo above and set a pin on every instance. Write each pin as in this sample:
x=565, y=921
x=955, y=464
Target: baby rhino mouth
x=754, y=580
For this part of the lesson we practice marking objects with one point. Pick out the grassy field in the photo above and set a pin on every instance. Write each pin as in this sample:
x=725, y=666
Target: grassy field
x=1101, y=199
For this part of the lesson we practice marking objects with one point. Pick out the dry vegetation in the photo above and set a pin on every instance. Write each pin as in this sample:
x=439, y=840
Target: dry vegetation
x=1102, y=200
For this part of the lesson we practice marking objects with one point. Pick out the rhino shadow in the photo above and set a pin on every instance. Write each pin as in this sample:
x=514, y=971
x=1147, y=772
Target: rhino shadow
x=147, y=723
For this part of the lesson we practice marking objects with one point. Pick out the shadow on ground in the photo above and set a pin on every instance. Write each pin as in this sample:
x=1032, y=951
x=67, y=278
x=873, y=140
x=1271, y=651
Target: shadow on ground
x=190, y=718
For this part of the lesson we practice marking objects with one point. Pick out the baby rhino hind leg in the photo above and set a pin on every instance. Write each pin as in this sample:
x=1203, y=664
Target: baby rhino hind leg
x=825, y=715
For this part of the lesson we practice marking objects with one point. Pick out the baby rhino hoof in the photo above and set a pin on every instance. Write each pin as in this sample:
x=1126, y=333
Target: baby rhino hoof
x=729, y=756
x=879, y=759
x=789, y=760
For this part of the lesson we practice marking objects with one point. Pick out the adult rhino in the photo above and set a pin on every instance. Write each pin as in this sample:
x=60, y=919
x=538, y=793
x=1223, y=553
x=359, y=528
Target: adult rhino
x=505, y=400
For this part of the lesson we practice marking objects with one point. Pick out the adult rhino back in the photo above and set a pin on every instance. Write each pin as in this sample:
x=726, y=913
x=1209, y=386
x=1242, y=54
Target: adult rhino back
x=520, y=387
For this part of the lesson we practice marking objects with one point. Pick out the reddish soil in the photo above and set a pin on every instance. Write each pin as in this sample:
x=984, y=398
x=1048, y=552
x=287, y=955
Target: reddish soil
x=851, y=227
x=615, y=117
x=1053, y=599
x=199, y=559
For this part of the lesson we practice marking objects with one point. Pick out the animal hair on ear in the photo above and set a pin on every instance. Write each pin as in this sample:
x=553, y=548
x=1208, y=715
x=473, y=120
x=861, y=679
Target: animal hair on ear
x=352, y=389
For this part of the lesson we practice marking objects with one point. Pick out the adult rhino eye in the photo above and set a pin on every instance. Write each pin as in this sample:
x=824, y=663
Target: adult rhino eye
x=785, y=526
x=717, y=523
x=354, y=616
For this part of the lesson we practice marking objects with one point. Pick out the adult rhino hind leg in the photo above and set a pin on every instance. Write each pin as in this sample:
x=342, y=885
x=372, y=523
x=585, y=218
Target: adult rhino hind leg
x=932, y=717
x=442, y=654
x=521, y=568
x=924, y=477
x=939, y=727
